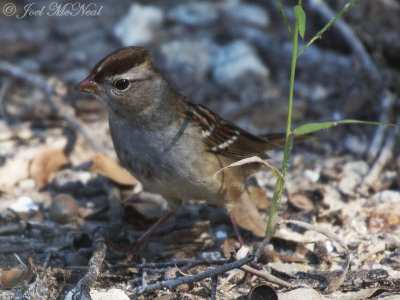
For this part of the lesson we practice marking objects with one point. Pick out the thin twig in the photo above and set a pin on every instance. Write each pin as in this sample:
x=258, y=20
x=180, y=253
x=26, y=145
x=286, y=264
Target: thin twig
x=174, y=263
x=384, y=158
x=81, y=290
x=214, y=282
x=3, y=90
x=144, y=274
x=387, y=102
x=173, y=283
x=51, y=86
x=271, y=278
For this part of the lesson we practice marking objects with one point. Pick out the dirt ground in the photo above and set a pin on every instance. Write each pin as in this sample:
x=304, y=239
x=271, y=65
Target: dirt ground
x=68, y=212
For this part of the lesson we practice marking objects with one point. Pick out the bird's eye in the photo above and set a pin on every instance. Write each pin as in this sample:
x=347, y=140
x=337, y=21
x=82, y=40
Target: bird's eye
x=122, y=84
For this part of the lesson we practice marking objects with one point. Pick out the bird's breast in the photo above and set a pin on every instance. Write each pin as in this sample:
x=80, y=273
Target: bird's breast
x=166, y=161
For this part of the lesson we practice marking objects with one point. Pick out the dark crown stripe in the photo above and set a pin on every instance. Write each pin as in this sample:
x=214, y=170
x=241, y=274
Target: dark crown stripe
x=119, y=62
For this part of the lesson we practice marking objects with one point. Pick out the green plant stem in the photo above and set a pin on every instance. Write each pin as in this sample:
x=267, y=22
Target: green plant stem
x=280, y=185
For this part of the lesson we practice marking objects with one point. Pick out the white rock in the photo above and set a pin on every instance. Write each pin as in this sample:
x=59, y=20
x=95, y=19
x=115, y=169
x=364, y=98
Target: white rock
x=312, y=175
x=112, y=294
x=236, y=60
x=139, y=25
x=24, y=204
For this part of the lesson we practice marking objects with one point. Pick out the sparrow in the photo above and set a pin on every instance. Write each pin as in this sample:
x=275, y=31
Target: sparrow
x=173, y=145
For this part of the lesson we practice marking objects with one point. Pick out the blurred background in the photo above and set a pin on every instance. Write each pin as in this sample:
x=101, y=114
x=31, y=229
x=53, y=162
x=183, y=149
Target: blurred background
x=232, y=56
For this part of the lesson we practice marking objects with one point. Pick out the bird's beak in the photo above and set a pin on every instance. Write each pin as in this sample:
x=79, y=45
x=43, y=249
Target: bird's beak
x=88, y=85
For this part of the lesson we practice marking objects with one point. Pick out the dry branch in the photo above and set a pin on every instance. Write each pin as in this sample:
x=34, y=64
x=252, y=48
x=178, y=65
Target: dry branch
x=214, y=283
x=174, y=263
x=82, y=288
x=173, y=283
x=265, y=275
x=51, y=86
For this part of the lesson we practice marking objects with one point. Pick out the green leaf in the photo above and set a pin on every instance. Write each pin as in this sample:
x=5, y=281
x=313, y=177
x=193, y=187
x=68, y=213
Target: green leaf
x=300, y=19
x=314, y=127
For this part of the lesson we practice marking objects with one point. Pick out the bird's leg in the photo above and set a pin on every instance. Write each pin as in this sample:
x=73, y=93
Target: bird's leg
x=236, y=228
x=135, y=247
x=150, y=231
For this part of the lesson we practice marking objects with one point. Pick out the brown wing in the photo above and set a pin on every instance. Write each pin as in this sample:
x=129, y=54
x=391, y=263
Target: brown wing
x=225, y=138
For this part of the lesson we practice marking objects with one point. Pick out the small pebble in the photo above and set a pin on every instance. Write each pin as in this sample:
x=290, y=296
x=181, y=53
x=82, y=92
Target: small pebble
x=64, y=209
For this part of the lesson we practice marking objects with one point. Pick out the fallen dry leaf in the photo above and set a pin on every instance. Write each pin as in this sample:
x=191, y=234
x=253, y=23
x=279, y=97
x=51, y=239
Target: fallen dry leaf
x=47, y=161
x=228, y=245
x=301, y=202
x=105, y=166
x=259, y=197
x=248, y=217
x=17, y=277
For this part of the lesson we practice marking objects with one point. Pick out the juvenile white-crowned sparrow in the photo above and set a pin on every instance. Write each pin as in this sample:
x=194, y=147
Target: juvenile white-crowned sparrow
x=172, y=144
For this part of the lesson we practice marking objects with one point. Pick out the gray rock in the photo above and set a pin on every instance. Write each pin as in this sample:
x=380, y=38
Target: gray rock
x=195, y=13
x=235, y=61
x=250, y=14
x=139, y=25
x=190, y=57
